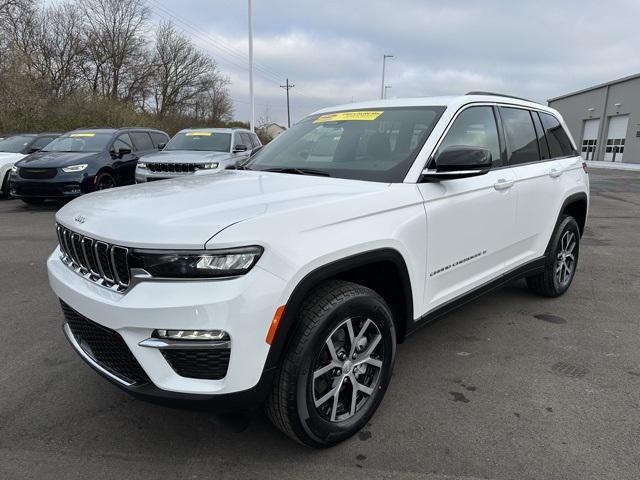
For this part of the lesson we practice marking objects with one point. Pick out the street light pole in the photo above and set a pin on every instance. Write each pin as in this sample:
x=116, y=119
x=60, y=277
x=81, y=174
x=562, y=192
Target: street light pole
x=385, y=90
x=253, y=111
x=384, y=61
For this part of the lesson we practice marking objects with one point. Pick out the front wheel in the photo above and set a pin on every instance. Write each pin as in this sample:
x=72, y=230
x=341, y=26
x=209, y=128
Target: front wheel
x=337, y=366
x=562, y=261
x=105, y=180
x=5, y=187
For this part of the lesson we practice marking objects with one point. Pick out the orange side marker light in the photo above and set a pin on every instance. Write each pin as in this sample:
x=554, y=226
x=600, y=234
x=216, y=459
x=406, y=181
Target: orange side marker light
x=274, y=324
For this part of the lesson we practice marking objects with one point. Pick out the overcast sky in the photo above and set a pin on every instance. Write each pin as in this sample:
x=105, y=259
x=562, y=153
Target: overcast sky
x=332, y=50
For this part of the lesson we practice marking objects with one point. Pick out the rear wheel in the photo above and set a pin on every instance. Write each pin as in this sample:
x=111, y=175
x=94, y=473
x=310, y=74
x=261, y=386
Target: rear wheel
x=561, y=263
x=337, y=366
x=33, y=201
x=105, y=180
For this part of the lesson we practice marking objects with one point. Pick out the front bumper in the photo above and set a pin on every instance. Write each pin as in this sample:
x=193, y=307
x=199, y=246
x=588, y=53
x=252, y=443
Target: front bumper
x=63, y=185
x=242, y=306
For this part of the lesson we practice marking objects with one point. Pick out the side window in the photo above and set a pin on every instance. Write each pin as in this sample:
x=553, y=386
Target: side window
x=142, y=141
x=559, y=143
x=542, y=141
x=123, y=141
x=475, y=127
x=41, y=142
x=521, y=135
x=158, y=138
x=246, y=140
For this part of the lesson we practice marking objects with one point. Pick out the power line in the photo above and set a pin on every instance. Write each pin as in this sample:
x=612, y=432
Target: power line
x=288, y=87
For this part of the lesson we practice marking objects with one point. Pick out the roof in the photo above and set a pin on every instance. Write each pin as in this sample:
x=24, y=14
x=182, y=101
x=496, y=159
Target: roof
x=215, y=130
x=446, y=101
x=596, y=87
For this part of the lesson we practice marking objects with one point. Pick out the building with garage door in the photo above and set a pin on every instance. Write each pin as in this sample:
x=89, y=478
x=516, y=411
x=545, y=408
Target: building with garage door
x=604, y=119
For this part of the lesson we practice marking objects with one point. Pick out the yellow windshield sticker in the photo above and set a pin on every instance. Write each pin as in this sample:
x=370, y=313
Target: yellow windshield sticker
x=198, y=134
x=349, y=116
x=74, y=135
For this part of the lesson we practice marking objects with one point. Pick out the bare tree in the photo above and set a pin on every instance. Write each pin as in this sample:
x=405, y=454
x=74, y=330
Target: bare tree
x=115, y=32
x=60, y=50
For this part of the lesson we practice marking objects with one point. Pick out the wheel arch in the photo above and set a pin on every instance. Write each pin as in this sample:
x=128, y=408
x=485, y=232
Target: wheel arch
x=392, y=272
x=576, y=205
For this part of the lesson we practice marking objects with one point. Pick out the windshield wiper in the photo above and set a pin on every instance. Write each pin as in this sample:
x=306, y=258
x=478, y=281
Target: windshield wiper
x=298, y=171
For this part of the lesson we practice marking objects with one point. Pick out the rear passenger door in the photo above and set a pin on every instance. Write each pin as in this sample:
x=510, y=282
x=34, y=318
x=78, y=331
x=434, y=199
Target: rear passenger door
x=470, y=221
x=537, y=184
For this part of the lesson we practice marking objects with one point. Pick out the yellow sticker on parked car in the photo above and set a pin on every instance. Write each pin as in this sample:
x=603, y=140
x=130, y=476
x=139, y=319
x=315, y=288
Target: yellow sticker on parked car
x=74, y=135
x=366, y=116
x=197, y=134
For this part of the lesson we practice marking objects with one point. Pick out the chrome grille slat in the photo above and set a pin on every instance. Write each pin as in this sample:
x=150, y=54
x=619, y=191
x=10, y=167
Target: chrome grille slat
x=96, y=260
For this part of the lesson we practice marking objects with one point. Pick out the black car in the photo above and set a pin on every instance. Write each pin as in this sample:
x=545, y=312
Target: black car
x=83, y=161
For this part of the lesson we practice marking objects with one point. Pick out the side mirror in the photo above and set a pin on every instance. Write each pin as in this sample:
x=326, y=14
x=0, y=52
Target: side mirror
x=161, y=146
x=121, y=152
x=459, y=162
x=240, y=148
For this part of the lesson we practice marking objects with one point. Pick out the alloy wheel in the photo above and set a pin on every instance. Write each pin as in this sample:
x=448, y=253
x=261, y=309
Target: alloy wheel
x=565, y=260
x=347, y=370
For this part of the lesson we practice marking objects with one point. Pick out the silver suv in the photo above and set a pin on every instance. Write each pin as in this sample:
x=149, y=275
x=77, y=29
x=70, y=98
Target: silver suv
x=198, y=151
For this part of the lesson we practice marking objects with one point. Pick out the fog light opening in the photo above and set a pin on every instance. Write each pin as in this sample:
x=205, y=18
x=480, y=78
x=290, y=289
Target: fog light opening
x=191, y=335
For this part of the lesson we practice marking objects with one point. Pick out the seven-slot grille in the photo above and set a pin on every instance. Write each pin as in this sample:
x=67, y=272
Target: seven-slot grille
x=172, y=167
x=100, y=261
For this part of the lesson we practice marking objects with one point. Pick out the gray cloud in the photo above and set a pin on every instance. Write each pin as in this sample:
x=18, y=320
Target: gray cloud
x=332, y=50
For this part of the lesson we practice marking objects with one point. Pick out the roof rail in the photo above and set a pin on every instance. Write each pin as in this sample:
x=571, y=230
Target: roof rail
x=494, y=94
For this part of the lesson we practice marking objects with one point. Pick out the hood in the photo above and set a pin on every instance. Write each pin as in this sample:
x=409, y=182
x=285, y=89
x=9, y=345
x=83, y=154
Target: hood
x=185, y=156
x=57, y=159
x=10, y=157
x=187, y=212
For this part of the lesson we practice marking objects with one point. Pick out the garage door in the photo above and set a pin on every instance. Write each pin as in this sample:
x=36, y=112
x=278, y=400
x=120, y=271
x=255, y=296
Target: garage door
x=614, y=151
x=590, y=138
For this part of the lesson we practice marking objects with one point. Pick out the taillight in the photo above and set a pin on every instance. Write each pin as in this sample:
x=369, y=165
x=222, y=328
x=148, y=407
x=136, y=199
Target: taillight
x=584, y=167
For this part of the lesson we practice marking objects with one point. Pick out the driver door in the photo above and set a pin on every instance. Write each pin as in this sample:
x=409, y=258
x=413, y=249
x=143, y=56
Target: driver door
x=470, y=221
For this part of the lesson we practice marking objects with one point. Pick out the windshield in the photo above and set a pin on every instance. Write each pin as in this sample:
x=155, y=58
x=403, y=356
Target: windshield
x=79, y=142
x=200, y=141
x=378, y=145
x=16, y=144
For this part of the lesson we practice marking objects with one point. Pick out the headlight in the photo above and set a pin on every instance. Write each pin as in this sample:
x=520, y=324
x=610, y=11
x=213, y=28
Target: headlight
x=142, y=165
x=75, y=168
x=207, y=166
x=196, y=264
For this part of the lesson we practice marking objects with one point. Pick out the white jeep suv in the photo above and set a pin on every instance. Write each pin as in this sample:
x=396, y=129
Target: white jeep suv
x=290, y=280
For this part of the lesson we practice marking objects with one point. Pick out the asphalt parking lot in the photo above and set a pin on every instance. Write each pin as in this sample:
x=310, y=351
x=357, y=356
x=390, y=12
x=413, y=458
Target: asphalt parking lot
x=511, y=386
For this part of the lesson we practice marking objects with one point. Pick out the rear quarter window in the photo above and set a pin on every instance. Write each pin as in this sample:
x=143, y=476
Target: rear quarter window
x=557, y=138
x=142, y=141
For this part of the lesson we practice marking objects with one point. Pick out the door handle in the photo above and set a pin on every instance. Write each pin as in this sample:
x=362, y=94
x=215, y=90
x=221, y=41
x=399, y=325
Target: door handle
x=555, y=173
x=503, y=184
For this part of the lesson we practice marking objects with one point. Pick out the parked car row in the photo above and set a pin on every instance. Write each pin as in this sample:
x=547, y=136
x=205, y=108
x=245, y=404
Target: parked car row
x=35, y=168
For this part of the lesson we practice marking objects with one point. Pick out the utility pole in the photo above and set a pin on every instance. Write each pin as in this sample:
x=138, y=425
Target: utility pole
x=384, y=61
x=253, y=110
x=288, y=87
x=385, y=90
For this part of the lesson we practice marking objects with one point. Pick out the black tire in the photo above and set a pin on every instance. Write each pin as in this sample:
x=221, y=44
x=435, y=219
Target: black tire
x=105, y=180
x=33, y=201
x=322, y=320
x=5, y=187
x=550, y=283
